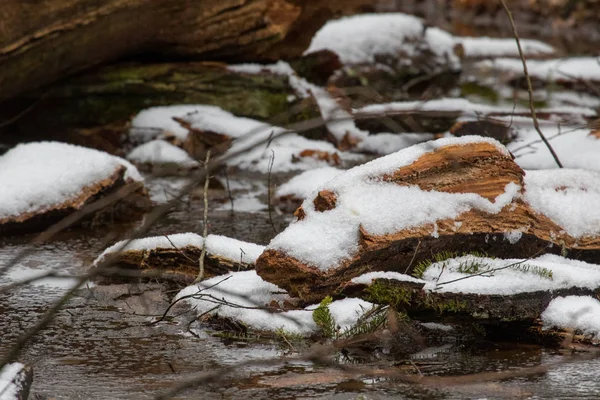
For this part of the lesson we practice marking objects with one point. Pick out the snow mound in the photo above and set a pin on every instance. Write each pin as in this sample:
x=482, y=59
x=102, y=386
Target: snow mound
x=326, y=239
x=570, y=198
x=222, y=246
x=361, y=38
x=35, y=177
x=255, y=143
x=247, y=297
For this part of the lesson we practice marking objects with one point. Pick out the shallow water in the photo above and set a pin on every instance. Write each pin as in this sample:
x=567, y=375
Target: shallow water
x=101, y=344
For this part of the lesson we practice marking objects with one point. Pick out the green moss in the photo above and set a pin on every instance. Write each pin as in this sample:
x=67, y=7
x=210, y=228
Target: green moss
x=381, y=293
x=474, y=89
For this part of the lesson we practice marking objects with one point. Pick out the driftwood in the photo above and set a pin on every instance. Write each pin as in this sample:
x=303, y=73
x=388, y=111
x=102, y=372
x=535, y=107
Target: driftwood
x=471, y=168
x=42, y=42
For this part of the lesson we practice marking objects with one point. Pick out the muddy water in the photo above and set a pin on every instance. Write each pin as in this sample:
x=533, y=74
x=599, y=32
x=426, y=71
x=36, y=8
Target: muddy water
x=101, y=345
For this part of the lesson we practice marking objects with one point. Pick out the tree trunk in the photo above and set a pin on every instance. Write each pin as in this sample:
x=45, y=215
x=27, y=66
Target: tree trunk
x=43, y=41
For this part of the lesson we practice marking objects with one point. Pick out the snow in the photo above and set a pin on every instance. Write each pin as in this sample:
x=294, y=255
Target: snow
x=564, y=69
x=254, y=145
x=360, y=39
x=387, y=143
x=38, y=176
x=217, y=245
x=302, y=185
x=574, y=312
x=575, y=147
x=10, y=381
x=326, y=239
x=160, y=152
x=366, y=279
x=247, y=289
x=570, y=198
x=462, y=107
x=566, y=273
x=158, y=121
x=341, y=123
x=495, y=47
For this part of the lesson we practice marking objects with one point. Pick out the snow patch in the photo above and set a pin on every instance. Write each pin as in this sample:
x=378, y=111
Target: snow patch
x=570, y=198
x=160, y=152
x=497, y=47
x=360, y=39
x=250, y=291
x=301, y=186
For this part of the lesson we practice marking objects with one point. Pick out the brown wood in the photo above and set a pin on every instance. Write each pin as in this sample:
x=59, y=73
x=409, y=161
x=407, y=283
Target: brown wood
x=43, y=41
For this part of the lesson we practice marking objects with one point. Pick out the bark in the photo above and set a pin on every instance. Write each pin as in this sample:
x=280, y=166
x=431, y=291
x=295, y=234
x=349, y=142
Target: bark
x=131, y=205
x=43, y=41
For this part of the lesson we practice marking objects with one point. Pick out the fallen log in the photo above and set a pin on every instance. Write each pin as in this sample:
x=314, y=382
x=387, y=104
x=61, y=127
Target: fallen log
x=41, y=43
x=94, y=109
x=399, y=210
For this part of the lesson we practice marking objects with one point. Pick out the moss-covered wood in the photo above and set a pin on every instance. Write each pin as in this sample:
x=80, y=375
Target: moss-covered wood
x=94, y=108
x=43, y=41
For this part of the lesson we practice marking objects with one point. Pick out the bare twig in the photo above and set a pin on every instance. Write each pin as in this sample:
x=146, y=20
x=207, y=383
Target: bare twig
x=529, y=85
x=271, y=161
x=228, y=188
x=205, y=228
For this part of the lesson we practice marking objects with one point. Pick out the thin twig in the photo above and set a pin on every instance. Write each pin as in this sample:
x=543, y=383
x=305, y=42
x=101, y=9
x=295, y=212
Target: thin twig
x=228, y=188
x=205, y=229
x=529, y=85
x=271, y=161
